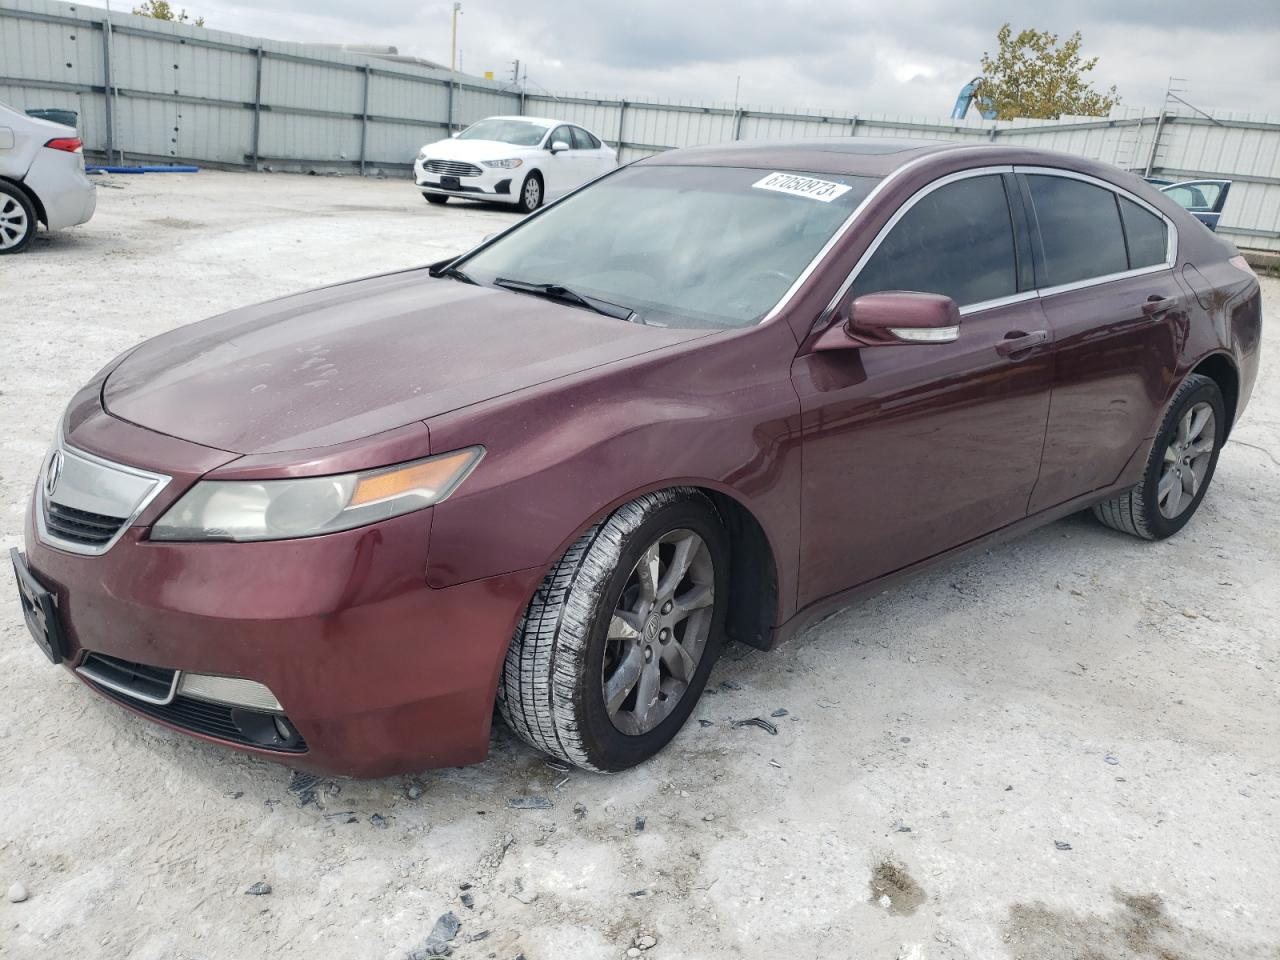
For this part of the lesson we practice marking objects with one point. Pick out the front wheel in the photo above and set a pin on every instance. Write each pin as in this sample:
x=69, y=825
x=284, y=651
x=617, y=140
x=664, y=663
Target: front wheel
x=616, y=645
x=1179, y=467
x=530, y=194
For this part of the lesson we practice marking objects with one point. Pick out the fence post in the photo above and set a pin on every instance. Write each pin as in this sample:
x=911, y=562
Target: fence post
x=737, y=124
x=450, y=105
x=257, y=110
x=622, y=112
x=106, y=90
x=364, y=119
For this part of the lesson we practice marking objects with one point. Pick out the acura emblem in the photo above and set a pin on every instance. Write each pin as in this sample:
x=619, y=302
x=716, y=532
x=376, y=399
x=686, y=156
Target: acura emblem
x=53, y=473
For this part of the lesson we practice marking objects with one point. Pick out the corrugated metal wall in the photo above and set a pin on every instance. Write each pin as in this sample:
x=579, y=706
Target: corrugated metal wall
x=196, y=94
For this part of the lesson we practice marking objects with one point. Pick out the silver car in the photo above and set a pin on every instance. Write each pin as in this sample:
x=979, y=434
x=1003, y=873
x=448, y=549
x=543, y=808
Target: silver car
x=42, y=178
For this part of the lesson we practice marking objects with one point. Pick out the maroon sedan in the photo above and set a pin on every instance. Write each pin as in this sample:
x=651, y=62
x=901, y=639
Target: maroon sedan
x=712, y=395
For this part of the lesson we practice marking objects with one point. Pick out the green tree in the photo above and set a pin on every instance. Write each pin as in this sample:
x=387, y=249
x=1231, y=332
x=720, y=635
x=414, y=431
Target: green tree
x=1032, y=76
x=161, y=10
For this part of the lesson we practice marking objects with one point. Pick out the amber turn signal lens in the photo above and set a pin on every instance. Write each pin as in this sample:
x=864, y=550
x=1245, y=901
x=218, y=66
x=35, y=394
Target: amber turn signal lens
x=428, y=478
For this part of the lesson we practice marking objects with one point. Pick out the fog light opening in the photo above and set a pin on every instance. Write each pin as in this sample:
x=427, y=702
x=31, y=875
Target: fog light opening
x=271, y=730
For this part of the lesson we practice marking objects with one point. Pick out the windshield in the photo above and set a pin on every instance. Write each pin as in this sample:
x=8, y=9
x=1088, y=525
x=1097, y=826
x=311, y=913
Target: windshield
x=681, y=246
x=522, y=133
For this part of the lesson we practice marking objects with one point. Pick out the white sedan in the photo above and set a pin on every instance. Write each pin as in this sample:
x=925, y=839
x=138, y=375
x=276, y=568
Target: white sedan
x=41, y=178
x=519, y=160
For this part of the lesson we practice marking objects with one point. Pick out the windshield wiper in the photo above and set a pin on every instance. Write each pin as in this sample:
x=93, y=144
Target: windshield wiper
x=447, y=269
x=554, y=291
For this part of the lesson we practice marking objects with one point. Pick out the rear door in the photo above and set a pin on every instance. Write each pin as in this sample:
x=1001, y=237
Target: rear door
x=1204, y=199
x=911, y=449
x=1104, y=270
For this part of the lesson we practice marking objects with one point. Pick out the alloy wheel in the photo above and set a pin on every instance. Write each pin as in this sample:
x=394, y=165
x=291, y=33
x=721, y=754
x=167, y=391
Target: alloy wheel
x=532, y=193
x=658, y=632
x=14, y=222
x=1187, y=460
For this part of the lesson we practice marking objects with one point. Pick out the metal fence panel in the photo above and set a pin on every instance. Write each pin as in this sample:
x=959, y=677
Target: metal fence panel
x=208, y=96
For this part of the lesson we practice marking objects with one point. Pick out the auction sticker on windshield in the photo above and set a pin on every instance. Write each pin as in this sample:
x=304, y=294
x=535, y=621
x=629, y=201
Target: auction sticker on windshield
x=798, y=186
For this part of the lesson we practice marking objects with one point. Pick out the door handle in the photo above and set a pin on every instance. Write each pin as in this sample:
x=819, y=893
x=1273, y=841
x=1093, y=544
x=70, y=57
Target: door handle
x=1156, y=305
x=1018, y=342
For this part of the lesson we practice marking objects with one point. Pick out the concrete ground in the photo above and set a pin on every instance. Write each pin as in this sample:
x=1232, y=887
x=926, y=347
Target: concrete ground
x=1064, y=747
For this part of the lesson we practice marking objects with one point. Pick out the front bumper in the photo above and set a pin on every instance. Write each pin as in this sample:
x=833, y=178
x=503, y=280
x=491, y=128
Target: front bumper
x=492, y=184
x=378, y=672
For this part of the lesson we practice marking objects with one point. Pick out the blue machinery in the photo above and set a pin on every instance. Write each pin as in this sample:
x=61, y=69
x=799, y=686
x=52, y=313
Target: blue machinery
x=968, y=95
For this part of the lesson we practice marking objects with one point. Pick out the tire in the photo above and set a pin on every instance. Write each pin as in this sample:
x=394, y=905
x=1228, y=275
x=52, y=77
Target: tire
x=531, y=193
x=436, y=198
x=569, y=644
x=17, y=219
x=1144, y=511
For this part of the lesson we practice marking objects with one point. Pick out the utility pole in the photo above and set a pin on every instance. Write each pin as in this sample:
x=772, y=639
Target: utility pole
x=453, y=45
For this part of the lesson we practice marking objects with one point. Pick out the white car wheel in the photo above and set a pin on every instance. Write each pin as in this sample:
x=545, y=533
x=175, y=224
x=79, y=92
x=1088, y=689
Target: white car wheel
x=530, y=193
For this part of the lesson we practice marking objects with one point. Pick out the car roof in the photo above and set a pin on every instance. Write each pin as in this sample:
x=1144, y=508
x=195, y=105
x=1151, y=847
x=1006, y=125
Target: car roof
x=539, y=121
x=854, y=156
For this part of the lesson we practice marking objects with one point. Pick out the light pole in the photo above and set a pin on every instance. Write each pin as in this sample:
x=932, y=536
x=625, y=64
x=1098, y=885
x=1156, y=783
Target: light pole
x=453, y=45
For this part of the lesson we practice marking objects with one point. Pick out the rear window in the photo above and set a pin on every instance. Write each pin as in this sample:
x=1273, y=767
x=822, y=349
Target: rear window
x=1146, y=235
x=1080, y=230
x=956, y=241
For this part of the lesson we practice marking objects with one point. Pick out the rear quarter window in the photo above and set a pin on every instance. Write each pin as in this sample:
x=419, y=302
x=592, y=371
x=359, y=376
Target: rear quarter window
x=1080, y=231
x=1146, y=234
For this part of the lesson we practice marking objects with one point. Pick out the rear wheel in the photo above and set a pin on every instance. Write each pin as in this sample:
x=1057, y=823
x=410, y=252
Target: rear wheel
x=17, y=219
x=616, y=645
x=530, y=194
x=435, y=198
x=1179, y=467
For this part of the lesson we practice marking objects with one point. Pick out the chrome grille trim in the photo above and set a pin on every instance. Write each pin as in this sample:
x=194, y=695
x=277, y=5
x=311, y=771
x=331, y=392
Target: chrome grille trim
x=452, y=168
x=134, y=680
x=94, y=500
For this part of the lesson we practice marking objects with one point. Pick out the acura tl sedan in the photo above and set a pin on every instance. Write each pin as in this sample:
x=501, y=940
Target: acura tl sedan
x=714, y=395
x=524, y=161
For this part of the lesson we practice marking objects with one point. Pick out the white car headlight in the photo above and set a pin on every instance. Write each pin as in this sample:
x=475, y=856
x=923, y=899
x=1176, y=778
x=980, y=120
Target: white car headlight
x=282, y=509
x=503, y=164
x=422, y=155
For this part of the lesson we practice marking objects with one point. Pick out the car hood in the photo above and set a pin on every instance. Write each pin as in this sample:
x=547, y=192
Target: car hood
x=340, y=363
x=474, y=150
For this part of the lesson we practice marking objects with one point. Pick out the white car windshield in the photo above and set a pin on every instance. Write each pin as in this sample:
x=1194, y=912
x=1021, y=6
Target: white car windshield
x=679, y=246
x=520, y=133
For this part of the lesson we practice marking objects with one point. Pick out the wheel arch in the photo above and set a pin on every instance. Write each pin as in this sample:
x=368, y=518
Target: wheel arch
x=30, y=195
x=753, y=563
x=1221, y=369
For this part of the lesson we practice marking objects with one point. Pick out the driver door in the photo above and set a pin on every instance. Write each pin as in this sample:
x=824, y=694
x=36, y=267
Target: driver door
x=558, y=167
x=911, y=449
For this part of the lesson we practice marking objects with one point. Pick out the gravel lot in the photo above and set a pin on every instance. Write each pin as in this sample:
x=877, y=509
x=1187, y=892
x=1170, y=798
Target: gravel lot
x=944, y=742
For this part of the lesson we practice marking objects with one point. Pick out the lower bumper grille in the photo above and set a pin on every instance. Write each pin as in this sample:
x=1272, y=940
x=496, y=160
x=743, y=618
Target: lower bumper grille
x=149, y=690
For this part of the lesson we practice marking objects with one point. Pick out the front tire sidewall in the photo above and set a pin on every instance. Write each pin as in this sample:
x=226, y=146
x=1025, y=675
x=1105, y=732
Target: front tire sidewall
x=607, y=748
x=523, y=203
x=1160, y=525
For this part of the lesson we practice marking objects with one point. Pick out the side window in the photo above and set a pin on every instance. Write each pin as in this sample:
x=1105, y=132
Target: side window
x=1080, y=230
x=956, y=240
x=1194, y=196
x=1146, y=234
x=583, y=140
x=560, y=133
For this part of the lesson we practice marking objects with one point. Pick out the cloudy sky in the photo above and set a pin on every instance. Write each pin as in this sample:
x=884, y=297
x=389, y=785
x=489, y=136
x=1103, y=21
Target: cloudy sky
x=906, y=56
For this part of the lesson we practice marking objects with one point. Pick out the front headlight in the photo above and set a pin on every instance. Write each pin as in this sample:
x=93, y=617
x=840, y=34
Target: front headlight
x=504, y=164
x=422, y=155
x=282, y=509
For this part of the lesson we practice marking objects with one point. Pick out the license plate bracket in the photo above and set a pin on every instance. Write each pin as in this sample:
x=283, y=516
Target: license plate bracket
x=450, y=183
x=39, y=610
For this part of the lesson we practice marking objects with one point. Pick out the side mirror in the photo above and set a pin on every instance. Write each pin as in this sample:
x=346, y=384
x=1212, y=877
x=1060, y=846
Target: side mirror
x=896, y=316
x=558, y=146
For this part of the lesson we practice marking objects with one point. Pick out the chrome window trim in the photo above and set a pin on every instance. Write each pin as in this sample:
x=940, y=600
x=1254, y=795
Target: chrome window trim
x=901, y=212
x=1171, y=241
x=1171, y=246
x=158, y=480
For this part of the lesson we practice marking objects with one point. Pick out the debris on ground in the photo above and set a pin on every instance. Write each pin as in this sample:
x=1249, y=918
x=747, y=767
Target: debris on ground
x=437, y=942
x=303, y=787
x=760, y=722
x=529, y=803
x=780, y=712
x=706, y=723
x=645, y=942
x=468, y=901
x=639, y=824
x=379, y=821
x=579, y=810
x=1111, y=759
x=259, y=889
x=17, y=893
x=1062, y=845
x=730, y=685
